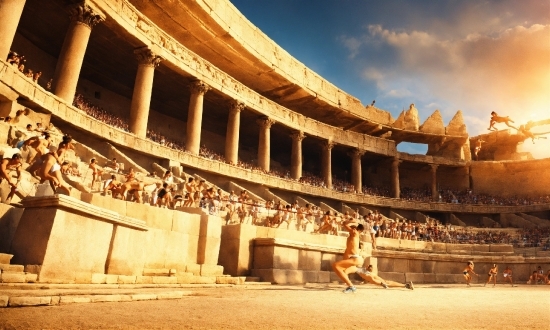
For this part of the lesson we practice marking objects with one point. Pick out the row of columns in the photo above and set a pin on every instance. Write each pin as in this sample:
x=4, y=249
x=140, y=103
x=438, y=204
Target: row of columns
x=67, y=72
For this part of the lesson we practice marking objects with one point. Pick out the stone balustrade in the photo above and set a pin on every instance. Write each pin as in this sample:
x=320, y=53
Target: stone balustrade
x=68, y=113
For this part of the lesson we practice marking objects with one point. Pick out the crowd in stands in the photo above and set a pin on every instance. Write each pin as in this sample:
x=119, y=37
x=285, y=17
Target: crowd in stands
x=20, y=62
x=410, y=194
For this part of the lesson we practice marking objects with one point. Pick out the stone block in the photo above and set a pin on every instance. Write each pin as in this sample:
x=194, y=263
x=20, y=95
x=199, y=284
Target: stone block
x=195, y=269
x=185, y=278
x=111, y=279
x=449, y=278
x=159, y=219
x=31, y=278
x=204, y=280
x=264, y=257
x=106, y=298
x=11, y=268
x=165, y=280
x=75, y=299
x=414, y=277
x=323, y=277
x=210, y=226
x=393, y=276
x=211, y=270
x=415, y=266
x=208, y=250
x=82, y=277
x=334, y=278
x=99, y=278
x=29, y=301
x=309, y=260
x=55, y=300
x=4, y=301
x=144, y=279
x=400, y=265
x=285, y=258
x=125, y=279
x=9, y=277
x=279, y=276
x=186, y=223
x=327, y=259
x=156, y=272
x=429, y=278
x=309, y=276
x=239, y=280
x=33, y=269
x=173, y=295
x=128, y=254
x=193, y=249
x=143, y=296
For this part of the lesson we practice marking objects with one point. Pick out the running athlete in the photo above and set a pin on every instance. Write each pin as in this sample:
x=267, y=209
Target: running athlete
x=466, y=272
x=351, y=259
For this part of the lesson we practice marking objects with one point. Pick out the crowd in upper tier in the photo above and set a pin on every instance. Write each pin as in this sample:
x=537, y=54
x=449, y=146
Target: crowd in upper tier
x=421, y=195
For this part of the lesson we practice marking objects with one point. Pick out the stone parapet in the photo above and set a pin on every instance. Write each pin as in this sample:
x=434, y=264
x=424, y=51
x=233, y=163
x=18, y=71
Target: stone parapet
x=65, y=111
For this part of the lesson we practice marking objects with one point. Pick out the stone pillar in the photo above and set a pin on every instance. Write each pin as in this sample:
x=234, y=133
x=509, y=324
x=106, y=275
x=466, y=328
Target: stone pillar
x=83, y=19
x=143, y=88
x=326, y=162
x=264, y=143
x=435, y=193
x=396, y=191
x=10, y=14
x=296, y=156
x=232, y=134
x=356, y=172
x=194, y=116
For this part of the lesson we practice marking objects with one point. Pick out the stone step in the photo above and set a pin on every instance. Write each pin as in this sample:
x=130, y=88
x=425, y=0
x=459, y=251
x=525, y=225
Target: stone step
x=5, y=258
x=17, y=277
x=159, y=272
x=252, y=279
x=11, y=268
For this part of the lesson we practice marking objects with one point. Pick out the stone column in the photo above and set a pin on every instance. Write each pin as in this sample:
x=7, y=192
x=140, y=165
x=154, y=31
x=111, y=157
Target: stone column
x=435, y=193
x=396, y=191
x=264, y=143
x=356, y=174
x=143, y=88
x=194, y=116
x=326, y=162
x=10, y=14
x=232, y=134
x=83, y=19
x=296, y=156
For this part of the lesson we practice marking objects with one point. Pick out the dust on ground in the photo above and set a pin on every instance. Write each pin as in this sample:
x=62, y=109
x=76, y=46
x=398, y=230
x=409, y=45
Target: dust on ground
x=306, y=307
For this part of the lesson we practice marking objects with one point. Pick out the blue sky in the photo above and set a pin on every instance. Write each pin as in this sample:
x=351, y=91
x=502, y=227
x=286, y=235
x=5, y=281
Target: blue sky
x=475, y=56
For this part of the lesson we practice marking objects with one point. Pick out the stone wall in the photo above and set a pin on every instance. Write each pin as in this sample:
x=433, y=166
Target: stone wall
x=74, y=241
x=509, y=178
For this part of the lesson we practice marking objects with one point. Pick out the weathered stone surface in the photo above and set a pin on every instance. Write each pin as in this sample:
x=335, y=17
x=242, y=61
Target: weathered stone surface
x=144, y=279
x=393, y=276
x=165, y=280
x=124, y=279
x=456, y=125
x=75, y=299
x=29, y=301
x=144, y=296
x=173, y=295
x=211, y=270
x=99, y=278
x=10, y=277
x=4, y=301
x=433, y=124
x=408, y=119
x=11, y=268
x=106, y=298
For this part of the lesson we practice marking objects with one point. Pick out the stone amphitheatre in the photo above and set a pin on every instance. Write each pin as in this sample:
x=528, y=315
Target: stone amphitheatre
x=192, y=87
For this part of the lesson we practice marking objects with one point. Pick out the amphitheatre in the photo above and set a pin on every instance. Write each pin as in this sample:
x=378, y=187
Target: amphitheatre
x=204, y=94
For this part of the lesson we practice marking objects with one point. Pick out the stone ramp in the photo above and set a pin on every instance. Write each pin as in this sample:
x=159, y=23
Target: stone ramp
x=268, y=195
x=542, y=223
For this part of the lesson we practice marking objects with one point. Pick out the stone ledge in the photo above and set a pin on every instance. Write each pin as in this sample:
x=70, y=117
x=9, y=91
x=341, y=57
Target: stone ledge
x=297, y=245
x=74, y=205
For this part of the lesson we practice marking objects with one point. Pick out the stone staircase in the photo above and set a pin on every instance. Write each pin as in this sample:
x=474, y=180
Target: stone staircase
x=14, y=273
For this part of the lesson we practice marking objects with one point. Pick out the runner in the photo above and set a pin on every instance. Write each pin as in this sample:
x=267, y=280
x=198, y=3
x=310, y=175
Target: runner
x=492, y=275
x=469, y=269
x=351, y=259
x=367, y=275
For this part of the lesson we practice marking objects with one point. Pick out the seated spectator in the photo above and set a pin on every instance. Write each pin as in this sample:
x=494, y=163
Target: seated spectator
x=113, y=165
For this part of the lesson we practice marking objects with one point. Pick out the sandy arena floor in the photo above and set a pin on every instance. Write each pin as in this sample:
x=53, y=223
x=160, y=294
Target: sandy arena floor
x=306, y=307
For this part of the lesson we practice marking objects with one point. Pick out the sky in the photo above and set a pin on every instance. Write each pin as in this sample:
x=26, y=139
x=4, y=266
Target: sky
x=476, y=56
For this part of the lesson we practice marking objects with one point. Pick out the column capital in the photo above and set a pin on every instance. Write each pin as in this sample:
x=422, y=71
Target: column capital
x=236, y=106
x=199, y=87
x=356, y=153
x=434, y=167
x=297, y=136
x=82, y=13
x=145, y=56
x=265, y=122
x=327, y=145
